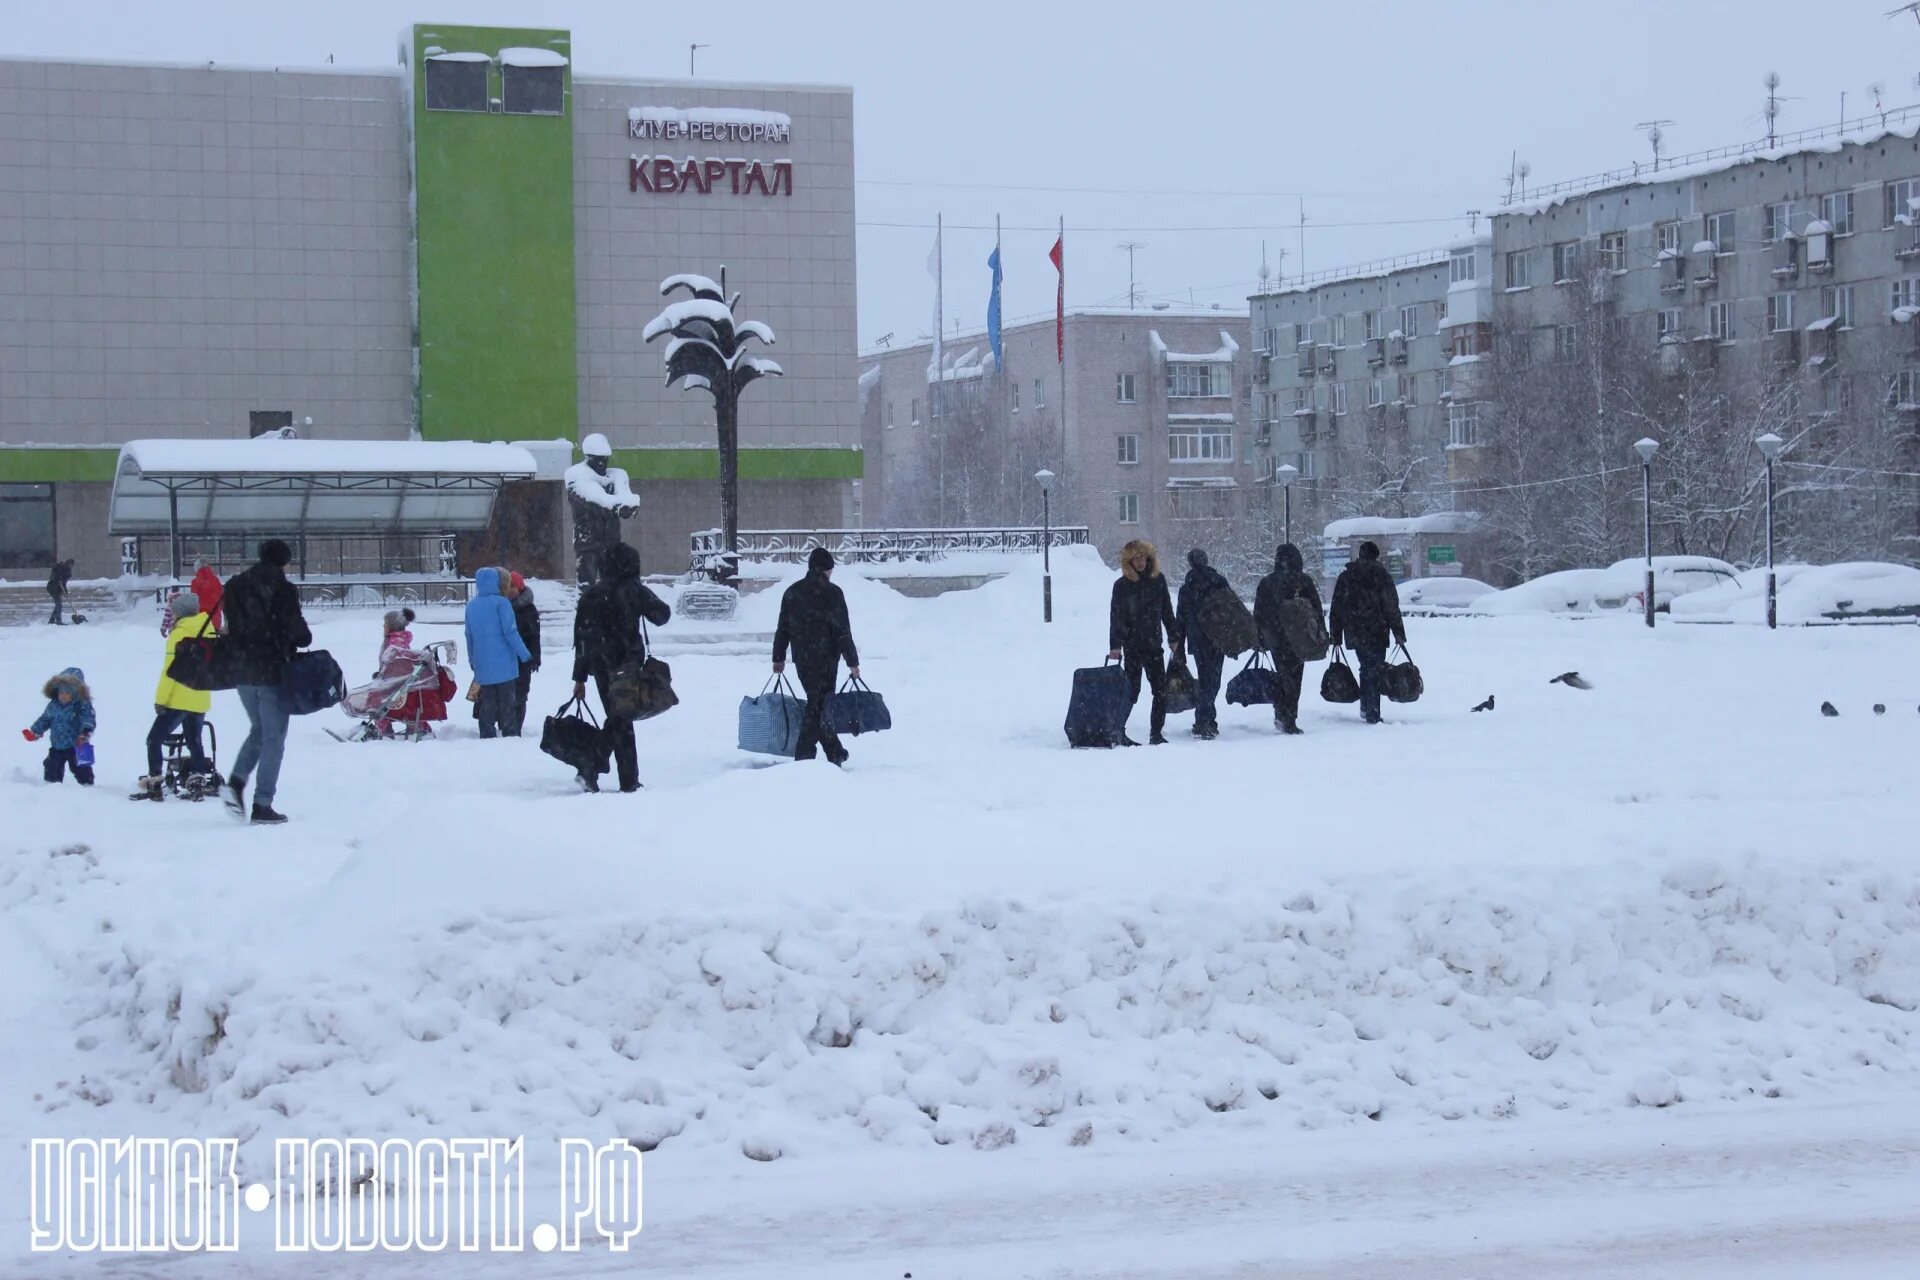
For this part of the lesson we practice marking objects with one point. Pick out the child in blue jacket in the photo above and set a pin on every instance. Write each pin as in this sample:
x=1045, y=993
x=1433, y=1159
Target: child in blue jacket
x=67, y=724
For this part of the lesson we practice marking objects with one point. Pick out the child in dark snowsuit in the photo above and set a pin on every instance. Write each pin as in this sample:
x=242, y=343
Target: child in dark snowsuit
x=67, y=724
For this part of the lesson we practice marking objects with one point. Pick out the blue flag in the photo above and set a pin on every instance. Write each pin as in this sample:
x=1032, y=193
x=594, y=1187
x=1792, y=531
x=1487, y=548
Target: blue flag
x=993, y=308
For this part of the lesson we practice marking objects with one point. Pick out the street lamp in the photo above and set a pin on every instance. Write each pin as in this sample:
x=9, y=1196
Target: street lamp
x=1045, y=478
x=1646, y=448
x=1286, y=473
x=1770, y=446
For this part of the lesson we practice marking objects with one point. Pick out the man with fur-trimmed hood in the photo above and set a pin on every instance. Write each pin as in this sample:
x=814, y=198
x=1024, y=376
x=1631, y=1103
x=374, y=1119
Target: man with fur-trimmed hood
x=1142, y=609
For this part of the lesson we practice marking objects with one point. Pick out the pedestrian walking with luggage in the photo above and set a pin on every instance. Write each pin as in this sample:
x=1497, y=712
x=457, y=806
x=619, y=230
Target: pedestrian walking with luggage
x=1286, y=608
x=1143, y=607
x=815, y=627
x=1366, y=615
x=264, y=629
x=607, y=638
x=57, y=581
x=1202, y=581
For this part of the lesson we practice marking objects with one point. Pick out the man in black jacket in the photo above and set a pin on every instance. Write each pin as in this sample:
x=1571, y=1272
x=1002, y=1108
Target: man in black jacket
x=1202, y=581
x=606, y=637
x=813, y=621
x=1141, y=608
x=1288, y=581
x=526, y=620
x=57, y=588
x=264, y=629
x=1366, y=613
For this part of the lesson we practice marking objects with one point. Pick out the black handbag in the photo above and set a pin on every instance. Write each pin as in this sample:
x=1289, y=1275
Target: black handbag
x=1402, y=679
x=857, y=709
x=1255, y=685
x=1183, y=694
x=313, y=682
x=1337, y=682
x=641, y=690
x=573, y=737
x=203, y=663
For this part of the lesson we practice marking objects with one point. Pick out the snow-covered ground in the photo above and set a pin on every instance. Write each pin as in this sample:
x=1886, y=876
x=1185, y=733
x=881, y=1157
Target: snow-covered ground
x=1629, y=969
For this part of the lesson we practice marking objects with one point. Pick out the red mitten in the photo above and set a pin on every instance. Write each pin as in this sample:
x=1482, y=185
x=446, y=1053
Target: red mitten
x=30, y=735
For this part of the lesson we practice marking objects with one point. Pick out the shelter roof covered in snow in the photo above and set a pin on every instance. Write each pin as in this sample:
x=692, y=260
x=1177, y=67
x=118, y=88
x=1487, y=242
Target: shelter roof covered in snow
x=1396, y=526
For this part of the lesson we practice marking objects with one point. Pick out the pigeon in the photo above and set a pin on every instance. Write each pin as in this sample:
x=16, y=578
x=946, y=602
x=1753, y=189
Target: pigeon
x=1571, y=679
x=1487, y=705
x=1879, y=708
x=1826, y=709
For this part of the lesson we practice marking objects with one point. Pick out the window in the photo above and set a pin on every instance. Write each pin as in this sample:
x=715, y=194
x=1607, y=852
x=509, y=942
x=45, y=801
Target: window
x=1837, y=301
x=1440, y=311
x=1443, y=383
x=1039, y=394
x=1903, y=388
x=1190, y=503
x=1129, y=508
x=1720, y=321
x=1013, y=390
x=1720, y=231
x=1339, y=398
x=1460, y=266
x=1566, y=261
x=1518, y=350
x=1899, y=201
x=1406, y=389
x=1376, y=393
x=1129, y=449
x=1669, y=238
x=1836, y=395
x=1200, y=442
x=1339, y=331
x=1837, y=210
x=1613, y=251
x=1906, y=292
x=915, y=411
x=262, y=422
x=26, y=526
x=1463, y=425
x=1566, y=342
x=1370, y=325
x=457, y=82
x=532, y=91
x=1301, y=402
x=1779, y=222
x=1123, y=388
x=1519, y=270
x=1779, y=312
x=1320, y=397
x=1667, y=325
x=1410, y=321
x=1188, y=381
x=889, y=415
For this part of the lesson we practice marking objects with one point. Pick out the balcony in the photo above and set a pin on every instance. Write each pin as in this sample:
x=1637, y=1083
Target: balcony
x=1907, y=245
x=1784, y=346
x=1823, y=343
x=1326, y=352
x=1787, y=264
x=1376, y=352
x=1397, y=348
x=1306, y=360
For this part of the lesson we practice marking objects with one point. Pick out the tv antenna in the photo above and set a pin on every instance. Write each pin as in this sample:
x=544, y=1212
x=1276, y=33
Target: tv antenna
x=1913, y=9
x=1656, y=133
x=884, y=340
x=1474, y=215
x=1879, y=93
x=1772, y=81
x=1133, y=295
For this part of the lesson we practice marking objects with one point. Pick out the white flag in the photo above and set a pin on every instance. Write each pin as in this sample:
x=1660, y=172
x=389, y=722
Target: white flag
x=937, y=367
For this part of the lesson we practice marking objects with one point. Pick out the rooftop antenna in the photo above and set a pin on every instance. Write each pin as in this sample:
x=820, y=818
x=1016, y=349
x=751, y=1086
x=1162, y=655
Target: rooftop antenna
x=1513, y=166
x=1772, y=81
x=1266, y=275
x=691, y=50
x=1913, y=9
x=1473, y=215
x=1133, y=295
x=1655, y=131
x=1525, y=169
x=884, y=340
x=1879, y=92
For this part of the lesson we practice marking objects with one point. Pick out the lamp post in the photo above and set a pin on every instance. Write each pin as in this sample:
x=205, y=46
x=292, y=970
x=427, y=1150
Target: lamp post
x=1646, y=448
x=1770, y=446
x=1286, y=473
x=1046, y=543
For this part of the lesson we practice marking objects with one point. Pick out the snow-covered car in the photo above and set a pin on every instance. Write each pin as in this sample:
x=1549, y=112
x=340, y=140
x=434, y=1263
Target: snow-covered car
x=1673, y=577
x=1568, y=591
x=1810, y=592
x=1442, y=595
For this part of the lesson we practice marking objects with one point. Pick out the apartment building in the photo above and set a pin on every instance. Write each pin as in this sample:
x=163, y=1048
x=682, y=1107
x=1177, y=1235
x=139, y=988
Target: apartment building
x=1147, y=424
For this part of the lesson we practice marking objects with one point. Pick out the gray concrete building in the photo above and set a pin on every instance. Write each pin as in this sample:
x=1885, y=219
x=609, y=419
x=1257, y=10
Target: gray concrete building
x=1148, y=425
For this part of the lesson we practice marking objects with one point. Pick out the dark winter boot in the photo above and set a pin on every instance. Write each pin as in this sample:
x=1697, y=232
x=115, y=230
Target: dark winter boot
x=149, y=790
x=1157, y=740
x=264, y=816
x=235, y=798
x=1289, y=728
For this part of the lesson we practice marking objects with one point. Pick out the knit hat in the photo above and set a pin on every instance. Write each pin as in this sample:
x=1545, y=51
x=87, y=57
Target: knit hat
x=519, y=583
x=819, y=560
x=185, y=604
x=398, y=620
x=1197, y=558
x=276, y=553
x=1369, y=551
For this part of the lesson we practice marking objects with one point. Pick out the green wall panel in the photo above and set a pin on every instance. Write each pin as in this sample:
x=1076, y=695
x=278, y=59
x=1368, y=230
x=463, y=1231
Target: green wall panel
x=57, y=466
x=493, y=213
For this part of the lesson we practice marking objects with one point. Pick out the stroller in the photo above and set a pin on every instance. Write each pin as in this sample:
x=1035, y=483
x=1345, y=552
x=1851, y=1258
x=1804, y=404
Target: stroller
x=177, y=774
x=408, y=695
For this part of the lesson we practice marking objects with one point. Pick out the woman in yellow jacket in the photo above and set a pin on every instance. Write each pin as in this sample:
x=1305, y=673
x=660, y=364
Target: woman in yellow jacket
x=174, y=705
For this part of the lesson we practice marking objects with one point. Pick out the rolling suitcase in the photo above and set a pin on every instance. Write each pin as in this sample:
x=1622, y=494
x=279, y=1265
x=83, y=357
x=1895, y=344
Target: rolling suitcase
x=1102, y=700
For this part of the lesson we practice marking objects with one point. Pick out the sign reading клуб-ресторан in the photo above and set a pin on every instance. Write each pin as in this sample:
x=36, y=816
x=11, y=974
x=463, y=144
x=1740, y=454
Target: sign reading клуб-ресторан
x=709, y=175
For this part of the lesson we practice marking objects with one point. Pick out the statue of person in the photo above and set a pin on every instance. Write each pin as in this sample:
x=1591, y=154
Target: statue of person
x=601, y=498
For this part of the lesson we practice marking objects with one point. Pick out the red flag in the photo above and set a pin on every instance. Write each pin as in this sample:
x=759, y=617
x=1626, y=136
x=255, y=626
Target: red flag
x=1058, y=256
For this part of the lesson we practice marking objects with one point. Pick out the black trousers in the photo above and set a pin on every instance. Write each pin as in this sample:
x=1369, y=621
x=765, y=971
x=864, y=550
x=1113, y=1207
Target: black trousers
x=817, y=683
x=1286, y=689
x=59, y=601
x=165, y=721
x=1373, y=679
x=618, y=732
x=516, y=721
x=59, y=760
x=1206, y=675
x=1154, y=666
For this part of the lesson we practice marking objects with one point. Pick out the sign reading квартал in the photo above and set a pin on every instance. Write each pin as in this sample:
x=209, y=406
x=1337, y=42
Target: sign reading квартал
x=668, y=175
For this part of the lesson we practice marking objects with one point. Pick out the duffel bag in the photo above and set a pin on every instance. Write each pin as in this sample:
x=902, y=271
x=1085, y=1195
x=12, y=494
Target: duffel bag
x=641, y=690
x=1402, y=680
x=1303, y=629
x=313, y=682
x=1338, y=683
x=1183, y=693
x=572, y=736
x=770, y=722
x=1097, y=712
x=1255, y=685
x=203, y=663
x=857, y=709
x=1224, y=620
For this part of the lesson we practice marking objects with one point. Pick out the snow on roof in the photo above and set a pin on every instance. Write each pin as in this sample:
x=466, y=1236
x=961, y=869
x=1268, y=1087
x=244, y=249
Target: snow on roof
x=1390, y=526
x=459, y=57
x=1483, y=240
x=1903, y=315
x=1819, y=227
x=1825, y=322
x=1705, y=246
x=519, y=56
x=1223, y=354
x=325, y=457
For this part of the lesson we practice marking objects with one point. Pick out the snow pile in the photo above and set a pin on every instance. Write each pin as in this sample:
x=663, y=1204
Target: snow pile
x=1809, y=593
x=1568, y=591
x=1442, y=594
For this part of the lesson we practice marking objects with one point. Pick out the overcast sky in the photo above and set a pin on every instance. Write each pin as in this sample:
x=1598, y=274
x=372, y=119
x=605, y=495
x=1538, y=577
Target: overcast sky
x=1395, y=112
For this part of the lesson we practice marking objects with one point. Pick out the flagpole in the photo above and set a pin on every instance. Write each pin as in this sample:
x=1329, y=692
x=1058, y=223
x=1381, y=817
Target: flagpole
x=1063, y=341
x=940, y=373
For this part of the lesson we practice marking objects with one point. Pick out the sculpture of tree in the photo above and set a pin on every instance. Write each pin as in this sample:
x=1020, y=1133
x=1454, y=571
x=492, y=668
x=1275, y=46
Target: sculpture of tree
x=708, y=352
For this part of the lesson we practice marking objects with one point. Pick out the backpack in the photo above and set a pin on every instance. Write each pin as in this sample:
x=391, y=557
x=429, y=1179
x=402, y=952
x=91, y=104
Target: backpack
x=1226, y=623
x=1303, y=630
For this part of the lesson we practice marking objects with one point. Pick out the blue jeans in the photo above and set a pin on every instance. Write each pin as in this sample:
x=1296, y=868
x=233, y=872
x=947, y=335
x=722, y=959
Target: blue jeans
x=266, y=739
x=164, y=723
x=1373, y=680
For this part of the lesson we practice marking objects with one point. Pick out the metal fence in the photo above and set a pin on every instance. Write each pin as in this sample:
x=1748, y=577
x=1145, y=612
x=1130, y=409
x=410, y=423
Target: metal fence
x=857, y=546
